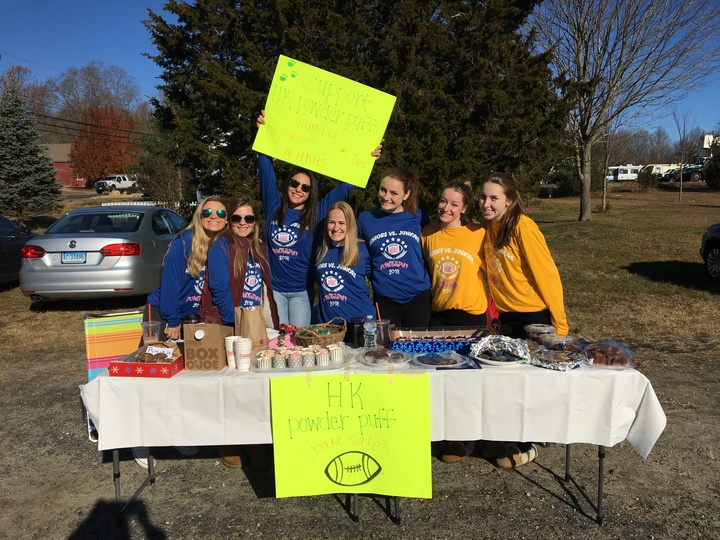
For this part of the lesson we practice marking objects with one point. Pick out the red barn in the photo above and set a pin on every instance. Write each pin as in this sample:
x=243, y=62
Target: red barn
x=60, y=155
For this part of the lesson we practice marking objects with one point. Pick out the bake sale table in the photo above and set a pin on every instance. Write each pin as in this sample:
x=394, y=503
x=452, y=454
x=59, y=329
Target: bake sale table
x=522, y=403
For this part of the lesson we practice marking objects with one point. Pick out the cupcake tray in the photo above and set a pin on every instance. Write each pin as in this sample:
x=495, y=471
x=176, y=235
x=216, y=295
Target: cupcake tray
x=329, y=367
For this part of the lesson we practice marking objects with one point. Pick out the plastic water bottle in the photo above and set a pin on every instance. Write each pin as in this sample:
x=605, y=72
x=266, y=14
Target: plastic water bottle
x=370, y=328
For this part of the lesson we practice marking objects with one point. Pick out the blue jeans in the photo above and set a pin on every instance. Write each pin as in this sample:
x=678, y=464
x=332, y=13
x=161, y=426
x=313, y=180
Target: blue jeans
x=293, y=307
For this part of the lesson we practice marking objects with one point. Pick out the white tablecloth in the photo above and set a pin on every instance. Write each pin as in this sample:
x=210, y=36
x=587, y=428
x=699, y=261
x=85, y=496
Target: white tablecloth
x=586, y=405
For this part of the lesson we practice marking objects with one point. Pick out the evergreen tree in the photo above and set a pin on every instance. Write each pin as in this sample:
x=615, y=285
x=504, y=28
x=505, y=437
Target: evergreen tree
x=471, y=97
x=27, y=179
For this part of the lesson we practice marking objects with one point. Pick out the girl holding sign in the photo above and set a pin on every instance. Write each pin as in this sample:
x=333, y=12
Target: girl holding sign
x=400, y=281
x=293, y=212
x=341, y=267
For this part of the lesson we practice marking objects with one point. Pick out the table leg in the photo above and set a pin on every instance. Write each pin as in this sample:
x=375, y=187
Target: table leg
x=597, y=506
x=116, y=473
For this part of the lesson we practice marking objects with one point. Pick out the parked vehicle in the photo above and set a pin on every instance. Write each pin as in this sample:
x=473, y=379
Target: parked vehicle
x=623, y=173
x=710, y=250
x=696, y=172
x=12, y=238
x=103, y=251
x=660, y=169
x=669, y=176
x=121, y=182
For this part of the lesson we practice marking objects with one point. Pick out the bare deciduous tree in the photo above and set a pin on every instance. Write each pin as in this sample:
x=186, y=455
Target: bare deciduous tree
x=625, y=59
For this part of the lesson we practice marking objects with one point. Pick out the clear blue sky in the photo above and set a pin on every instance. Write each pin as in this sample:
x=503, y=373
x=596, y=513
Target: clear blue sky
x=49, y=36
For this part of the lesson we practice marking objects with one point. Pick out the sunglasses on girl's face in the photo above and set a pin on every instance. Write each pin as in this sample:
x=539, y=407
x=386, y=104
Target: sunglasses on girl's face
x=207, y=212
x=295, y=184
x=236, y=220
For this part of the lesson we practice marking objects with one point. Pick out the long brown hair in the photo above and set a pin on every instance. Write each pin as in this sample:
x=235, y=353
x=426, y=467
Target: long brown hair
x=510, y=218
x=411, y=182
x=233, y=239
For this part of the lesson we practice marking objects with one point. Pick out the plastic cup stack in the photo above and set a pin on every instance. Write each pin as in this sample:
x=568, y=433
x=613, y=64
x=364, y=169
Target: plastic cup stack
x=230, y=351
x=242, y=348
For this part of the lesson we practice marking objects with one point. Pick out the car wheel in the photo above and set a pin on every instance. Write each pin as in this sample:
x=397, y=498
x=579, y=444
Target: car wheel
x=712, y=260
x=695, y=177
x=111, y=188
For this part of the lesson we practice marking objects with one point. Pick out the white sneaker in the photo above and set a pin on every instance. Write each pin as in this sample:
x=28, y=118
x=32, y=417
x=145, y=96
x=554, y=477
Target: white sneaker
x=186, y=451
x=141, y=454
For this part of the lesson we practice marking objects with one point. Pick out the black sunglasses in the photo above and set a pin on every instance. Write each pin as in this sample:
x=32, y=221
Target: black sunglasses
x=249, y=219
x=207, y=212
x=295, y=184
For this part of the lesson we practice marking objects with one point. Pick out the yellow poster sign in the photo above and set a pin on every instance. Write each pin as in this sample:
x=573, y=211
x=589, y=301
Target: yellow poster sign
x=323, y=122
x=356, y=433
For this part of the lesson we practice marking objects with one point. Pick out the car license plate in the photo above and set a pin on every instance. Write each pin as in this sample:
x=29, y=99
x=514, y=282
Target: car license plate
x=73, y=257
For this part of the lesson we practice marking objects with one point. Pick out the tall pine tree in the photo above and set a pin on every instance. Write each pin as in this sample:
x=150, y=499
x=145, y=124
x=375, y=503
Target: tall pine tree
x=471, y=95
x=27, y=179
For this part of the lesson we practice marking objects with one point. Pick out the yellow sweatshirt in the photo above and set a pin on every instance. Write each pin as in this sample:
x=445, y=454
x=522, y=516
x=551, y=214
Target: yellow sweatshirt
x=522, y=276
x=454, y=258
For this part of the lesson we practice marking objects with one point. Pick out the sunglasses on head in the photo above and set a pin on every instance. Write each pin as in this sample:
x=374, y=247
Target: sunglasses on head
x=249, y=219
x=207, y=212
x=295, y=184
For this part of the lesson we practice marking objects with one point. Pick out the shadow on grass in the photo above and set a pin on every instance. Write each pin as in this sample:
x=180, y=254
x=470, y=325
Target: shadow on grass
x=98, y=305
x=106, y=521
x=682, y=273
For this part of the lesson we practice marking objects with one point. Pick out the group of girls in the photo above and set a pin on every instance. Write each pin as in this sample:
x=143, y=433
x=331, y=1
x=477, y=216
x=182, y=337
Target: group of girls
x=422, y=273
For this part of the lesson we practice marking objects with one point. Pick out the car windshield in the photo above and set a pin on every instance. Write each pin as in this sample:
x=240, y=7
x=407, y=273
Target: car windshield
x=100, y=222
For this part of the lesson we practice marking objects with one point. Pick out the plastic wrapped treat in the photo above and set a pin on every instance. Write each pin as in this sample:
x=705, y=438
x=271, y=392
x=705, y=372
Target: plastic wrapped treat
x=559, y=342
x=610, y=354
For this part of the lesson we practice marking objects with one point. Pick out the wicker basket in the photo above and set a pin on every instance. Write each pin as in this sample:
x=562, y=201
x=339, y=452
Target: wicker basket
x=321, y=334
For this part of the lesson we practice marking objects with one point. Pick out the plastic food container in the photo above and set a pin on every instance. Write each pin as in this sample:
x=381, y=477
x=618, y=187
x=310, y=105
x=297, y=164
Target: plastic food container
x=534, y=331
x=559, y=342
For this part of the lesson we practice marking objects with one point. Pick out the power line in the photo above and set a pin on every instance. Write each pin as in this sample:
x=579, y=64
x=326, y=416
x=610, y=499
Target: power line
x=86, y=124
x=108, y=137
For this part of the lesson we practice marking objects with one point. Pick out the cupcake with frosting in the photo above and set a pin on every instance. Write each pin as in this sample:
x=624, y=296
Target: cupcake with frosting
x=294, y=359
x=322, y=357
x=336, y=353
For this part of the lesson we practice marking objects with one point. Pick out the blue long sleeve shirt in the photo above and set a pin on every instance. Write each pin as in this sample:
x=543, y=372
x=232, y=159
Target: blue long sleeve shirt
x=393, y=240
x=178, y=294
x=289, y=249
x=343, y=290
x=220, y=279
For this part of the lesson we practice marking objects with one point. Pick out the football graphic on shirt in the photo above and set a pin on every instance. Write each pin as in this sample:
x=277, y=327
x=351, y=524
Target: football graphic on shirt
x=285, y=237
x=447, y=267
x=394, y=248
x=352, y=469
x=252, y=278
x=332, y=281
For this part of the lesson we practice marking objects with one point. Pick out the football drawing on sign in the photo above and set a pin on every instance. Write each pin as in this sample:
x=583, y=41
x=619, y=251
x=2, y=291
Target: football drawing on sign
x=352, y=469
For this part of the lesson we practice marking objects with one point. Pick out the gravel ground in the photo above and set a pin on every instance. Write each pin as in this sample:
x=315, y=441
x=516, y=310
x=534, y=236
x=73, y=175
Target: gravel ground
x=55, y=484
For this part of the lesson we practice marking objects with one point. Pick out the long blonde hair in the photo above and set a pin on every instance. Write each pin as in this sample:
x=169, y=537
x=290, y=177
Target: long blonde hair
x=232, y=238
x=351, y=255
x=201, y=239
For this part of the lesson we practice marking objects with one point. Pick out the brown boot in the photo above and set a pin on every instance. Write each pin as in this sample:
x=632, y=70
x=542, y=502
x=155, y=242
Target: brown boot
x=230, y=456
x=260, y=456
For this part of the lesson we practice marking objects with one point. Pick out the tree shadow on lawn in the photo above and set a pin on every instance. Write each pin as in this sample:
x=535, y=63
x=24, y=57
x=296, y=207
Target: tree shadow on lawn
x=682, y=273
x=95, y=305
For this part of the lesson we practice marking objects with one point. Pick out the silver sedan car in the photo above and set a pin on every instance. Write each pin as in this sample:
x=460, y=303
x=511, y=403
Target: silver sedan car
x=98, y=252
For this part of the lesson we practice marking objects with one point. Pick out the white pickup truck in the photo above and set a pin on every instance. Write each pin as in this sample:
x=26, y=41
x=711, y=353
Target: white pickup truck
x=121, y=182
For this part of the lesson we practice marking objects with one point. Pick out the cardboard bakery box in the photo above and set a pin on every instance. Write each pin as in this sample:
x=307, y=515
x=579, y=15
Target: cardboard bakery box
x=134, y=365
x=204, y=347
